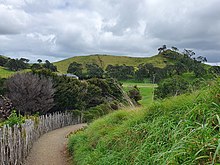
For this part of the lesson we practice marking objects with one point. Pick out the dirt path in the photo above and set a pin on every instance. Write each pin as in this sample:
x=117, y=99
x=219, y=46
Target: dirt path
x=50, y=149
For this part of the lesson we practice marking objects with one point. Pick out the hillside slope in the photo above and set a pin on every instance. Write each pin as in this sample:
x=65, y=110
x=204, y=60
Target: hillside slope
x=182, y=130
x=4, y=73
x=105, y=60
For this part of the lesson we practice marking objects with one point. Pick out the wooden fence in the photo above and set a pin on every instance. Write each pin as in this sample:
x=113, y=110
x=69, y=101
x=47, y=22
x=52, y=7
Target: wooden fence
x=16, y=141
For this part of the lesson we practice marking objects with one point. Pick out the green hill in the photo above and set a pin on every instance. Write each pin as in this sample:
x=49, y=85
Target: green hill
x=105, y=60
x=181, y=130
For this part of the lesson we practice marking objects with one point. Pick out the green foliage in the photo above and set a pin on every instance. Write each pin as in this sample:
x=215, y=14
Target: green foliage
x=134, y=94
x=17, y=64
x=94, y=71
x=120, y=72
x=3, y=60
x=215, y=70
x=14, y=119
x=75, y=68
x=172, y=87
x=97, y=111
x=50, y=66
x=181, y=130
x=72, y=94
x=36, y=67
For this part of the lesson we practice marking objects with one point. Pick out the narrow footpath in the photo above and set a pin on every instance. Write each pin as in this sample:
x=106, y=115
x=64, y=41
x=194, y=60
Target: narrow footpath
x=50, y=149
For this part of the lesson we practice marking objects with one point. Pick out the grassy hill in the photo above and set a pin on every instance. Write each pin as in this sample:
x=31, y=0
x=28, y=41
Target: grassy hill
x=181, y=130
x=104, y=60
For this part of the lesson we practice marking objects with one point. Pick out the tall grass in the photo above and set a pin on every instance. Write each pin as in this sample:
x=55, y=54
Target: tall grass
x=183, y=130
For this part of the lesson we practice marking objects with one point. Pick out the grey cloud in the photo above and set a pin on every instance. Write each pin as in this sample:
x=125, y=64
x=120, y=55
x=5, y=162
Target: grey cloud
x=58, y=29
x=13, y=21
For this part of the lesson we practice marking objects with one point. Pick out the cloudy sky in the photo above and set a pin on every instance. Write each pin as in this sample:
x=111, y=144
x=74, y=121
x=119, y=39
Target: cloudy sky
x=57, y=29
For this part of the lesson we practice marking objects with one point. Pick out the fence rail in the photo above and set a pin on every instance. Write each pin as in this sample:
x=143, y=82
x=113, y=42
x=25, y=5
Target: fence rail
x=16, y=141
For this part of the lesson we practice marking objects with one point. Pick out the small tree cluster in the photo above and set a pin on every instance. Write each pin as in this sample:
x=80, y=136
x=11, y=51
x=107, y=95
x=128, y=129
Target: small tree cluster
x=50, y=66
x=17, y=64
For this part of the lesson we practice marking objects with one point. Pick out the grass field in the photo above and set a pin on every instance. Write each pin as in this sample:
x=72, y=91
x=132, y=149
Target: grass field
x=182, y=130
x=104, y=60
x=5, y=73
x=146, y=90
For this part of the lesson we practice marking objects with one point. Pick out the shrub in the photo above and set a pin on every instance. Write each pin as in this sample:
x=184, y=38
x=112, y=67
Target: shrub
x=30, y=93
x=171, y=87
x=135, y=94
x=14, y=119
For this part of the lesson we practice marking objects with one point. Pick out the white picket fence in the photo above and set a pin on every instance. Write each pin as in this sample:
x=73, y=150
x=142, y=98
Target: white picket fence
x=16, y=141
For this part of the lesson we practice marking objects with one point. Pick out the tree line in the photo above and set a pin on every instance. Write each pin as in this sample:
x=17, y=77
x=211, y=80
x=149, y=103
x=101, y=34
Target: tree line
x=179, y=63
x=23, y=63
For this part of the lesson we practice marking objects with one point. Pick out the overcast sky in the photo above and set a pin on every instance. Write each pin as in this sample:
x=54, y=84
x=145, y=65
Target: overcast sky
x=58, y=29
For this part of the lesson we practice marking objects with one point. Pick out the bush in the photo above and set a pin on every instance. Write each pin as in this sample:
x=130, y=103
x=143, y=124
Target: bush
x=30, y=93
x=14, y=119
x=171, y=87
x=135, y=94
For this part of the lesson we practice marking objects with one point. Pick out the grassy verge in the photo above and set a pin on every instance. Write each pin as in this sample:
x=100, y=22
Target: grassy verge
x=181, y=130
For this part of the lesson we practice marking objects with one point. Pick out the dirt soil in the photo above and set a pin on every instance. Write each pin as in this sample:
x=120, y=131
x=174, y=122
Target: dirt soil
x=50, y=149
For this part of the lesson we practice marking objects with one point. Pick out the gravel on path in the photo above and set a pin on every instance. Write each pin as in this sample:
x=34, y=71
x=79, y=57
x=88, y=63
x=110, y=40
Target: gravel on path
x=50, y=149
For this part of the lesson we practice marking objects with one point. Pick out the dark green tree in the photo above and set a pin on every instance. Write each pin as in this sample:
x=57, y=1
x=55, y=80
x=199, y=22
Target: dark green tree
x=3, y=60
x=36, y=66
x=94, y=71
x=171, y=87
x=15, y=64
x=39, y=61
x=215, y=70
x=75, y=68
x=50, y=66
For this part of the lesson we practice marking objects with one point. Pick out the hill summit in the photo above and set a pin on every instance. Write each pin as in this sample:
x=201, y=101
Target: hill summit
x=105, y=60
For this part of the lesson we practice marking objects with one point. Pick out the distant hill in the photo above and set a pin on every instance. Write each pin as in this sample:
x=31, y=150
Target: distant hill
x=105, y=60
